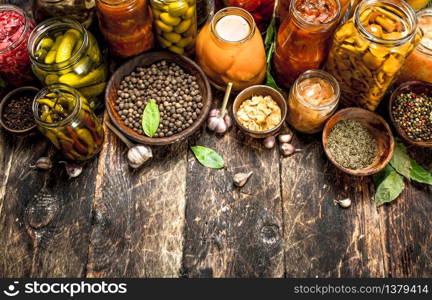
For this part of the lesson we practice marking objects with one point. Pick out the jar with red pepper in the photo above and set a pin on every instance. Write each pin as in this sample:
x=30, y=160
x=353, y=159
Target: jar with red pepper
x=261, y=10
x=15, y=28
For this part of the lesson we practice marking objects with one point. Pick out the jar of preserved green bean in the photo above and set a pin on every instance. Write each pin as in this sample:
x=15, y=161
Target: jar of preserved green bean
x=369, y=50
x=176, y=24
x=64, y=116
x=81, y=10
x=61, y=50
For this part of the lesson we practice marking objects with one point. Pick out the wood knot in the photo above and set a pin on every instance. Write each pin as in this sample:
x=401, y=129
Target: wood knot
x=270, y=235
x=41, y=210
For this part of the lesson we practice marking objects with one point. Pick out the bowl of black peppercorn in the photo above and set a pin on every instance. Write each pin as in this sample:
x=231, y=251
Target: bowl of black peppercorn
x=16, y=115
x=178, y=86
x=410, y=109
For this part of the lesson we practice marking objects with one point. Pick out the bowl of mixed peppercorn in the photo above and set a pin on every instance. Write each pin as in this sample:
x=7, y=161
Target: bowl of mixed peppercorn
x=410, y=109
x=16, y=114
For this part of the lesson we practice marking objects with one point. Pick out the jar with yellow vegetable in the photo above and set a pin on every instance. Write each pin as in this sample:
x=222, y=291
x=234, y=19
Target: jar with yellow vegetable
x=64, y=116
x=61, y=50
x=370, y=49
x=175, y=22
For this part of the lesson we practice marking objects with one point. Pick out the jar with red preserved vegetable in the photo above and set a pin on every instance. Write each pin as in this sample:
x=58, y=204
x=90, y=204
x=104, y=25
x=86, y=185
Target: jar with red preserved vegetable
x=15, y=28
x=303, y=39
x=261, y=10
x=126, y=25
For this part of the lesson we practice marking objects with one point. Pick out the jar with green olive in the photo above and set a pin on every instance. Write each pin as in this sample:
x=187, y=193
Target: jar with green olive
x=64, y=116
x=175, y=22
x=61, y=50
x=369, y=50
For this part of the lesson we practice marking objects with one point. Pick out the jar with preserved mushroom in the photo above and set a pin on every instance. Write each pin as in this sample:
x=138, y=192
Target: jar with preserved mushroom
x=230, y=49
x=303, y=39
x=418, y=65
x=261, y=10
x=313, y=98
x=81, y=10
x=369, y=50
x=61, y=50
x=15, y=28
x=64, y=116
x=175, y=22
x=126, y=25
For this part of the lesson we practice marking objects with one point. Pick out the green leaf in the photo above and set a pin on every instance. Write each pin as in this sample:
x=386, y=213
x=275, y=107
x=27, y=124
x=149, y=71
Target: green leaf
x=400, y=161
x=419, y=174
x=270, y=34
x=208, y=157
x=150, y=118
x=381, y=175
x=389, y=189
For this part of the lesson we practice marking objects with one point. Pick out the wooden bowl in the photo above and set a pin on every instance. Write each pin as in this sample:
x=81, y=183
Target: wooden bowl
x=418, y=87
x=259, y=90
x=376, y=125
x=146, y=60
x=27, y=90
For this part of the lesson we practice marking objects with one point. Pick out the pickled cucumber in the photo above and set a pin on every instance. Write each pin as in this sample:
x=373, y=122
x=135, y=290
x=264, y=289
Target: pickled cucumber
x=51, y=56
x=46, y=43
x=183, y=26
x=77, y=81
x=164, y=27
x=172, y=37
x=169, y=20
x=176, y=49
x=67, y=44
x=177, y=9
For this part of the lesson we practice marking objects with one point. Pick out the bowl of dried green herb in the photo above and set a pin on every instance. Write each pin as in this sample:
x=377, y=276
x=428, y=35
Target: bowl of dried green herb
x=410, y=108
x=358, y=142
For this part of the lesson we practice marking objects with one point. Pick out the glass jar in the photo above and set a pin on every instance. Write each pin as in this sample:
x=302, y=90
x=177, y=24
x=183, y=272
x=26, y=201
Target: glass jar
x=261, y=10
x=126, y=25
x=15, y=28
x=64, y=116
x=418, y=65
x=303, y=39
x=418, y=4
x=176, y=24
x=313, y=98
x=369, y=50
x=63, y=51
x=230, y=49
x=81, y=10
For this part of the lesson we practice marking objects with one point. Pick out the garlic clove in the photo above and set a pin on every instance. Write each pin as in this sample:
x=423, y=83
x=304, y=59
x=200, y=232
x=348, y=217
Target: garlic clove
x=138, y=155
x=43, y=163
x=240, y=179
x=345, y=203
x=269, y=142
x=284, y=138
x=73, y=169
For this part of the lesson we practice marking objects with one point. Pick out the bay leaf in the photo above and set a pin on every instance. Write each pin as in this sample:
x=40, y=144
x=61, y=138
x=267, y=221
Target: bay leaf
x=389, y=189
x=150, y=118
x=400, y=161
x=208, y=157
x=419, y=174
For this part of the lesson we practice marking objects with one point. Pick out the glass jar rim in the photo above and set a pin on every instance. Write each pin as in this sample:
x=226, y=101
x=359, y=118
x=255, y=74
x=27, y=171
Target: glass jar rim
x=26, y=26
x=401, y=7
x=298, y=17
x=317, y=74
x=51, y=24
x=226, y=12
x=59, y=87
x=119, y=3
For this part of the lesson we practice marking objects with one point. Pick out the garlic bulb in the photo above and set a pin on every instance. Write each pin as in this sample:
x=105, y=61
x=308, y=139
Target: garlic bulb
x=138, y=155
x=219, y=121
x=240, y=179
x=284, y=138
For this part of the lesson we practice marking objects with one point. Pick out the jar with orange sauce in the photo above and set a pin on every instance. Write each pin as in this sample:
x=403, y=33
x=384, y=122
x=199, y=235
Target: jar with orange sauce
x=303, y=39
x=418, y=65
x=126, y=25
x=230, y=49
x=313, y=99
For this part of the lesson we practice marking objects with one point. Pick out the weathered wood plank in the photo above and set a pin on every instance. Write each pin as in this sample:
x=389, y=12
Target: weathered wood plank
x=233, y=232
x=407, y=227
x=139, y=215
x=321, y=239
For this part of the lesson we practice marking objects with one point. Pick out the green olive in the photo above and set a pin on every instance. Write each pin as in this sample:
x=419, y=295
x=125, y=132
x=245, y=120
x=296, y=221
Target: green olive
x=164, y=27
x=183, y=26
x=167, y=19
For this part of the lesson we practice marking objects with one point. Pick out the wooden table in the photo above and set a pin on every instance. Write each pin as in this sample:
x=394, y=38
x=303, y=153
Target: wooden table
x=173, y=217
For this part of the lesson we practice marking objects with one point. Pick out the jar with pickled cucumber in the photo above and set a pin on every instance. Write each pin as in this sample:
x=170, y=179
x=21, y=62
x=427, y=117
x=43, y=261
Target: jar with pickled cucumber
x=230, y=49
x=81, y=10
x=175, y=22
x=64, y=116
x=304, y=37
x=63, y=51
x=127, y=26
x=369, y=50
